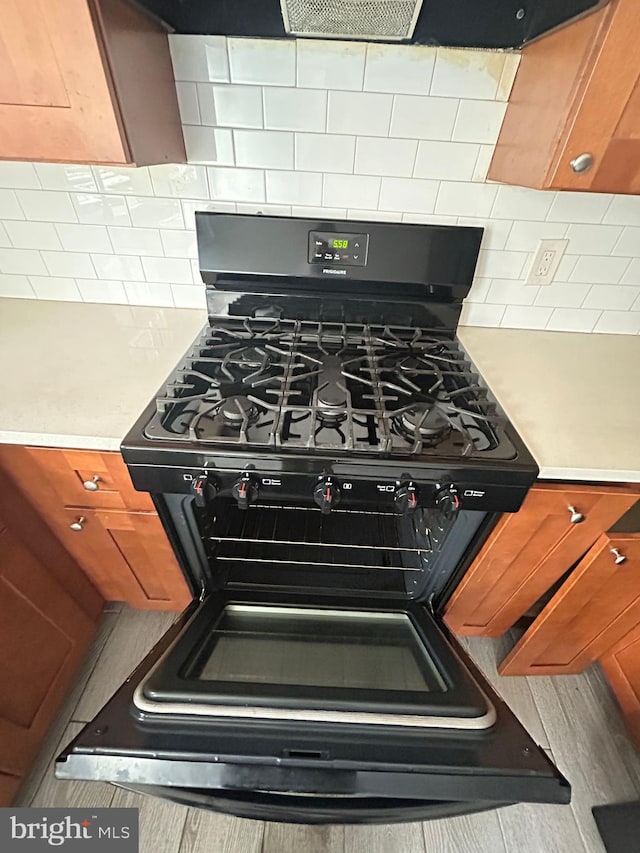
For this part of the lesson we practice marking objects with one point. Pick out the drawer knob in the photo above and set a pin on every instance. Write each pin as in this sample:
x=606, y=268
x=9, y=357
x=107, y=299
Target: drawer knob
x=92, y=484
x=582, y=163
x=78, y=524
x=576, y=517
x=619, y=558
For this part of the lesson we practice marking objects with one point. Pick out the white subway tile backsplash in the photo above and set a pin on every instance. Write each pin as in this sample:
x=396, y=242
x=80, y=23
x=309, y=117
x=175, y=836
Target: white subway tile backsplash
x=18, y=176
x=236, y=184
x=199, y=57
x=330, y=64
x=93, y=209
x=579, y=207
x=360, y=191
x=155, y=212
x=629, y=243
x=32, y=235
x=294, y=187
x=325, y=130
x=599, y=270
x=392, y=157
x=124, y=180
x=118, y=267
x=149, y=293
x=59, y=176
x=525, y=317
x=462, y=73
x=48, y=287
x=189, y=296
x=573, y=320
x=423, y=118
x=84, y=238
x=46, y=206
x=22, y=262
x=179, y=180
x=453, y=161
x=394, y=69
x=16, y=287
x=93, y=290
x=521, y=203
x=360, y=113
x=169, y=270
x=295, y=109
x=231, y=106
x=188, y=102
x=616, y=297
x=618, y=322
x=323, y=152
x=9, y=206
x=269, y=62
x=69, y=264
x=593, y=239
x=466, y=199
x=135, y=241
x=409, y=195
x=179, y=244
x=479, y=121
x=264, y=149
x=623, y=210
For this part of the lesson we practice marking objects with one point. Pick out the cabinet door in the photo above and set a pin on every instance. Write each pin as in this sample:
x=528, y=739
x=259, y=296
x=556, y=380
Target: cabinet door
x=529, y=551
x=43, y=636
x=127, y=555
x=621, y=665
x=597, y=605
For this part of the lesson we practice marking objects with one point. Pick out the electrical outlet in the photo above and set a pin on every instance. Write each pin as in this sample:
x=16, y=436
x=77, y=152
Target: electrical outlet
x=546, y=261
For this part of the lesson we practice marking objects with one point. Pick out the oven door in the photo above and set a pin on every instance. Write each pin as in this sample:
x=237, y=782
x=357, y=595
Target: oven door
x=268, y=704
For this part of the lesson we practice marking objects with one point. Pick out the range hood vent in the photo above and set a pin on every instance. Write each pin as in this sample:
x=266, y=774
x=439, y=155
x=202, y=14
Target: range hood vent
x=374, y=20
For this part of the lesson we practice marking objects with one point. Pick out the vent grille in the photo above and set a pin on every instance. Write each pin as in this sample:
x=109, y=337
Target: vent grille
x=391, y=20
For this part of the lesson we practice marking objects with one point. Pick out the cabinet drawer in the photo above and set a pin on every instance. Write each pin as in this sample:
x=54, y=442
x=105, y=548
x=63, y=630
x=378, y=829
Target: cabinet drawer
x=90, y=479
x=529, y=551
x=597, y=605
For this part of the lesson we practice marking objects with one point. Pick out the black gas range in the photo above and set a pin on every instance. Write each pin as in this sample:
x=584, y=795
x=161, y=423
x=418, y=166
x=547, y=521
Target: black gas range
x=326, y=461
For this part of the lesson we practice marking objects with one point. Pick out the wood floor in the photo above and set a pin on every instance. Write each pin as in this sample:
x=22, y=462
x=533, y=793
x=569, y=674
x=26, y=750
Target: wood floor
x=573, y=717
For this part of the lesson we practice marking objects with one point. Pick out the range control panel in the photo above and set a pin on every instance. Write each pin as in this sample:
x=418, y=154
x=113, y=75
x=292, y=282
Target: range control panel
x=333, y=247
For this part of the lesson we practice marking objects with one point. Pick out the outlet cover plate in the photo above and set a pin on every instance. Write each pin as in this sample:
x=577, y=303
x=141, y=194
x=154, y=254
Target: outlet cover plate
x=558, y=247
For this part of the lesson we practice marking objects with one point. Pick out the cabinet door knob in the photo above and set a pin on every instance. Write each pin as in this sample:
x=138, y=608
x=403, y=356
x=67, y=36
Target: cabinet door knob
x=92, y=484
x=582, y=163
x=576, y=517
x=619, y=558
x=78, y=524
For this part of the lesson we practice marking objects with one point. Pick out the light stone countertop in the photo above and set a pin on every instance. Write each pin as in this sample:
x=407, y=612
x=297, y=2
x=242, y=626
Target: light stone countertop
x=79, y=375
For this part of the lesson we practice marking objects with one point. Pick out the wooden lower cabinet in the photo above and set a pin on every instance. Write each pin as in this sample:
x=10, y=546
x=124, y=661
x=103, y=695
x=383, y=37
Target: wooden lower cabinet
x=120, y=542
x=528, y=551
x=621, y=666
x=595, y=608
x=48, y=617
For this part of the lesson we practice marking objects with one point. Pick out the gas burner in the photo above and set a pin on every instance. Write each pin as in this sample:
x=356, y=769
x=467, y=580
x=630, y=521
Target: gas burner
x=423, y=422
x=237, y=411
x=251, y=357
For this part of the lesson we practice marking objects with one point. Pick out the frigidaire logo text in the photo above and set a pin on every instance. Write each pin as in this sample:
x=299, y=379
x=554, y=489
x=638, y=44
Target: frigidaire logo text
x=330, y=271
x=57, y=832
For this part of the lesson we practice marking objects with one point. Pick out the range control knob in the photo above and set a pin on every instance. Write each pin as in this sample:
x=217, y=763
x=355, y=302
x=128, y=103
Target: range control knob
x=447, y=499
x=406, y=498
x=326, y=494
x=204, y=488
x=245, y=491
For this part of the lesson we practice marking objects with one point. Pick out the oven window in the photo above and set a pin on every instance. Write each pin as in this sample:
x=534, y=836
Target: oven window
x=319, y=648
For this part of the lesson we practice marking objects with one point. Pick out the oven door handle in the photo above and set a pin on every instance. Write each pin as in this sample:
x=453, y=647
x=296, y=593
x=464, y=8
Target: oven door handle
x=293, y=808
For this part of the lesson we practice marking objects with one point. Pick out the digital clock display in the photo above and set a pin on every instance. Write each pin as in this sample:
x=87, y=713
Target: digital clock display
x=340, y=244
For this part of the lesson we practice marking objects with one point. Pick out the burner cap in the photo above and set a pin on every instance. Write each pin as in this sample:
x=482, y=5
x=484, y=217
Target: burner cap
x=425, y=422
x=332, y=397
x=235, y=410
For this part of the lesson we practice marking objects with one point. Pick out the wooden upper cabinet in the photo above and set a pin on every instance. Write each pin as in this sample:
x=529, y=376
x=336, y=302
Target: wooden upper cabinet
x=528, y=551
x=86, y=81
x=577, y=91
x=591, y=612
